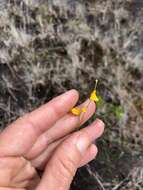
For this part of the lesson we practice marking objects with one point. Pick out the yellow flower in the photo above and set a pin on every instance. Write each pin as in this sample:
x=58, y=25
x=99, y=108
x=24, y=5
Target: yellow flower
x=76, y=111
x=93, y=96
x=84, y=109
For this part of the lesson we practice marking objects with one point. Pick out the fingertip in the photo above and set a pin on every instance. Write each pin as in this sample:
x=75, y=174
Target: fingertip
x=93, y=150
x=89, y=155
x=72, y=95
x=75, y=93
x=100, y=124
x=95, y=129
x=66, y=100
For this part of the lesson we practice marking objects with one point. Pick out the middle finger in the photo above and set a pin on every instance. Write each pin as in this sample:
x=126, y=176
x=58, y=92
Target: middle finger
x=63, y=127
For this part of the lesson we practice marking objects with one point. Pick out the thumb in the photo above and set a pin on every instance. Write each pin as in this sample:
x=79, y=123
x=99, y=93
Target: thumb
x=64, y=163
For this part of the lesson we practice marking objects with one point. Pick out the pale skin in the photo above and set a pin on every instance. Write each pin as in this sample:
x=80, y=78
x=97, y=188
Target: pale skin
x=47, y=139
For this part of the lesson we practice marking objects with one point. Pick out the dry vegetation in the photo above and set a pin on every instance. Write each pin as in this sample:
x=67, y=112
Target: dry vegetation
x=50, y=46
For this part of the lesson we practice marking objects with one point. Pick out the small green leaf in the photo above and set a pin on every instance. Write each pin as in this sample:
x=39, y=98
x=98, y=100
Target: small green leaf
x=119, y=112
x=100, y=102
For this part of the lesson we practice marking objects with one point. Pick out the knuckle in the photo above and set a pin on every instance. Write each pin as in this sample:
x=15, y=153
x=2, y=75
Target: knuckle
x=29, y=170
x=54, y=110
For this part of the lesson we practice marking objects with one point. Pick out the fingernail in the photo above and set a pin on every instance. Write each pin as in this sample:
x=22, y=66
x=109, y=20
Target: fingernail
x=100, y=123
x=82, y=144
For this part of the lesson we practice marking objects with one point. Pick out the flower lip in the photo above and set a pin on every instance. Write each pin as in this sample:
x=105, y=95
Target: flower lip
x=93, y=96
x=76, y=111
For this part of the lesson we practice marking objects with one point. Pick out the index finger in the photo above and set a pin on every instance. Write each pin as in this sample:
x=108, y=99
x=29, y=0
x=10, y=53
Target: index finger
x=45, y=116
x=18, y=138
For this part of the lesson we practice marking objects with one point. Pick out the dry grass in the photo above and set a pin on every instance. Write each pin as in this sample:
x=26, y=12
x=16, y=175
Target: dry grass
x=48, y=47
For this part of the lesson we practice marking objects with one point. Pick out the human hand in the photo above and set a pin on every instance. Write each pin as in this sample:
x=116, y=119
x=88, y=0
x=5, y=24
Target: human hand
x=45, y=139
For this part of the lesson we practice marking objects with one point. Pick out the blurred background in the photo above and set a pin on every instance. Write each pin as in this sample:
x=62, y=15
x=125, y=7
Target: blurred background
x=50, y=46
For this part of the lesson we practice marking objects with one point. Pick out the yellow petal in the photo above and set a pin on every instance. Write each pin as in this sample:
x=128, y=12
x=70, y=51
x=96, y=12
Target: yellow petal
x=84, y=109
x=96, y=99
x=76, y=111
x=93, y=96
